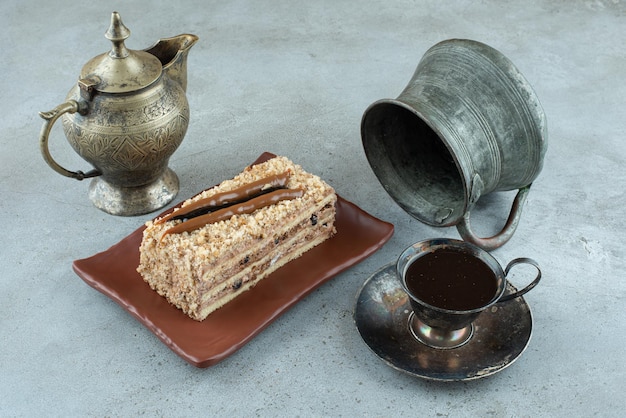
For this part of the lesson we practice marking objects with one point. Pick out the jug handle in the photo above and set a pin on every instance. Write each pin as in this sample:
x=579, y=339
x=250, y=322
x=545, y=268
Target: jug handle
x=501, y=238
x=71, y=106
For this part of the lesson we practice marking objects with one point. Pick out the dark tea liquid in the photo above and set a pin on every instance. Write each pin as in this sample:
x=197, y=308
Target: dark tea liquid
x=451, y=280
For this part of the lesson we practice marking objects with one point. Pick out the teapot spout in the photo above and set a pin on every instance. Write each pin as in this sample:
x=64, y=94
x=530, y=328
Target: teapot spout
x=172, y=52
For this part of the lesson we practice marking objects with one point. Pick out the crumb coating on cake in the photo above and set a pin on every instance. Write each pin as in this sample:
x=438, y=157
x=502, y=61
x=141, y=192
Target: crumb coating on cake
x=199, y=271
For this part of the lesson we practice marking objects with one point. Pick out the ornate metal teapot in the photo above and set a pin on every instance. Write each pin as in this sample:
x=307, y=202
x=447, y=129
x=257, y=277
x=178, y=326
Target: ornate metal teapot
x=126, y=116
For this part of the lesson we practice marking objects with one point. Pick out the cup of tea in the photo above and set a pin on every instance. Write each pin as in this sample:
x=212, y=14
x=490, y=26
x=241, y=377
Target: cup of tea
x=449, y=283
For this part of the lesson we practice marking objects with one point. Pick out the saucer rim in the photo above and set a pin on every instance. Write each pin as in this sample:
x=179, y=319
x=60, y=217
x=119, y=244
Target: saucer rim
x=485, y=372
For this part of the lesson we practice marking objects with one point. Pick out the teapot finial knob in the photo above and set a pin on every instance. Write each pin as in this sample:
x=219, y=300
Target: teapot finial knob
x=117, y=33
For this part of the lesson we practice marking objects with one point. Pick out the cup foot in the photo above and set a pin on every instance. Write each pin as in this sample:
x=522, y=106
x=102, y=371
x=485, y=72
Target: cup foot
x=133, y=201
x=437, y=338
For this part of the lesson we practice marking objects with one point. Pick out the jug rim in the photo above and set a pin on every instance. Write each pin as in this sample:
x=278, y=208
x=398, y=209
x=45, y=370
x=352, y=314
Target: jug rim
x=465, y=180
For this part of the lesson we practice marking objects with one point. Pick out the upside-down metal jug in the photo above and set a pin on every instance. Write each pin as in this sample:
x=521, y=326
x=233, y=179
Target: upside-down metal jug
x=468, y=123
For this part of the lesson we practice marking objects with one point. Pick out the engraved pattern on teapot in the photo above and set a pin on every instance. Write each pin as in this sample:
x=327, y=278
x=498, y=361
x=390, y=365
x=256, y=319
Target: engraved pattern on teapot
x=126, y=115
x=132, y=138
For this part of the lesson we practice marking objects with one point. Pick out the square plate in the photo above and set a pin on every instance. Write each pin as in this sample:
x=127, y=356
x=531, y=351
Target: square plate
x=202, y=344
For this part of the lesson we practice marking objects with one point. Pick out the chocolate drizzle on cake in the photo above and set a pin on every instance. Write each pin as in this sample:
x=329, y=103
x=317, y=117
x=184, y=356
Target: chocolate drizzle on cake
x=229, y=198
x=246, y=207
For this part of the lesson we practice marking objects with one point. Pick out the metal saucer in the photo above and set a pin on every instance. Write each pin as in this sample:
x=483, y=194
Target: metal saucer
x=501, y=334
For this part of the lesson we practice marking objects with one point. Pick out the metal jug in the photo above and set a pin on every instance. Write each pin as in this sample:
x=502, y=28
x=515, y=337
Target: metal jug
x=468, y=123
x=126, y=116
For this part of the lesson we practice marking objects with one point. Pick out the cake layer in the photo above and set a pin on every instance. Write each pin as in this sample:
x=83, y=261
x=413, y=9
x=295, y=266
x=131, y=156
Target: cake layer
x=235, y=263
x=289, y=250
x=202, y=268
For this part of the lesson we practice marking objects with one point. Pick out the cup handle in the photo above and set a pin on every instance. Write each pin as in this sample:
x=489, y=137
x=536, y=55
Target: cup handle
x=71, y=106
x=527, y=288
x=465, y=229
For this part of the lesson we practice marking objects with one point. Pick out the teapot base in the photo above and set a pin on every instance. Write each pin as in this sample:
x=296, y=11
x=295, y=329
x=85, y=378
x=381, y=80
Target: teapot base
x=133, y=201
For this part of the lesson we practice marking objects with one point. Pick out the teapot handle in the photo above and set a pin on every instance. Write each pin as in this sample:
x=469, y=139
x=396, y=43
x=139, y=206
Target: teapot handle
x=71, y=106
x=503, y=236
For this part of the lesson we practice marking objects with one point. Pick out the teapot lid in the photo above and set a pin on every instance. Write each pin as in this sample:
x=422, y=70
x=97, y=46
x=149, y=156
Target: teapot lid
x=120, y=70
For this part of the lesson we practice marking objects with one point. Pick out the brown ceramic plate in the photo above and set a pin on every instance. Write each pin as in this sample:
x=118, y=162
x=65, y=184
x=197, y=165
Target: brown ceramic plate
x=113, y=272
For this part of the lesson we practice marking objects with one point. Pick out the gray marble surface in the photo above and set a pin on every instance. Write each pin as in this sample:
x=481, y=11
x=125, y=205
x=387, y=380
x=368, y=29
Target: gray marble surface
x=294, y=78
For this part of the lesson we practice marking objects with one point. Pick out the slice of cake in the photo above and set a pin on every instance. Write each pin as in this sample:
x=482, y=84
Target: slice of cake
x=223, y=241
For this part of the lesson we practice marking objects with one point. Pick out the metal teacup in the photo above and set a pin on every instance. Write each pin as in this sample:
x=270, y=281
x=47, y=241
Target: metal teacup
x=446, y=327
